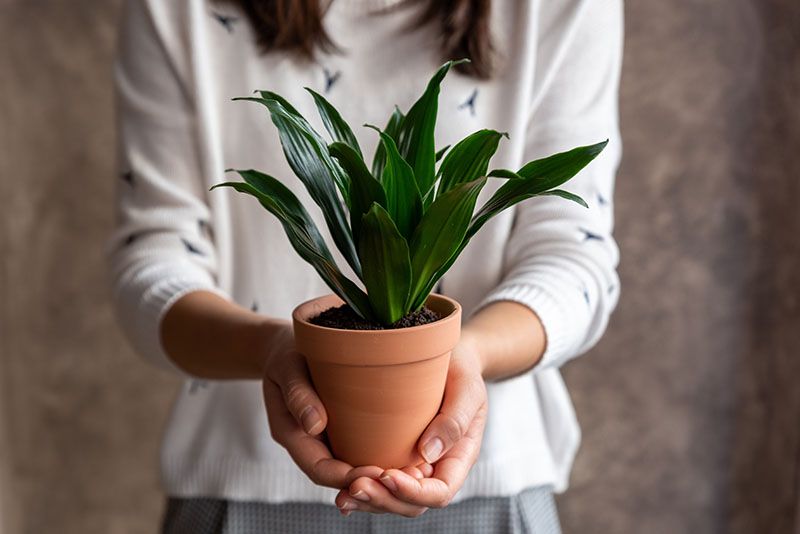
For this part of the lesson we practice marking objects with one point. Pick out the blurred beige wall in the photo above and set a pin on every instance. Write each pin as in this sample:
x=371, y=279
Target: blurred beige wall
x=82, y=413
x=689, y=405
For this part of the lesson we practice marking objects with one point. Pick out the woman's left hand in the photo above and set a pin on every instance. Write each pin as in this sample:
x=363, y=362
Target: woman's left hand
x=451, y=443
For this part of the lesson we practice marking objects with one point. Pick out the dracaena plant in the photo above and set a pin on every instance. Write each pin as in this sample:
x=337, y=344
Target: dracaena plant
x=401, y=222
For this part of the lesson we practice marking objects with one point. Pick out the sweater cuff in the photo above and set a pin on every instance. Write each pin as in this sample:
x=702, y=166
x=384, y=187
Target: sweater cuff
x=560, y=317
x=153, y=306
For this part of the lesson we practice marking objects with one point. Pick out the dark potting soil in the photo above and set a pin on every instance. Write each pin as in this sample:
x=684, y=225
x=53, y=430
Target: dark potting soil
x=344, y=317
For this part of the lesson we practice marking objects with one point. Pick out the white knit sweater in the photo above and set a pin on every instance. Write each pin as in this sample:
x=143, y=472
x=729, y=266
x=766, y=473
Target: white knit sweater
x=181, y=62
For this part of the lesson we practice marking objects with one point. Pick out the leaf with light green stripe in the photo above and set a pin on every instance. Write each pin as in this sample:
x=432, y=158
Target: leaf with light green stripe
x=566, y=195
x=364, y=188
x=536, y=178
x=504, y=173
x=387, y=267
x=338, y=129
x=310, y=160
x=415, y=139
x=439, y=234
x=554, y=170
x=559, y=168
x=302, y=233
x=391, y=129
x=403, y=200
x=468, y=159
x=269, y=95
x=337, y=173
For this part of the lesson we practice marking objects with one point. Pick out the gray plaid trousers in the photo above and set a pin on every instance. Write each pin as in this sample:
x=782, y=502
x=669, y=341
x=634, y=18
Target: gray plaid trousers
x=531, y=512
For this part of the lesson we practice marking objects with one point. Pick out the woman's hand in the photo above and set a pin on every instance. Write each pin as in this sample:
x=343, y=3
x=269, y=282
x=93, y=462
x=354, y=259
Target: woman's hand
x=502, y=340
x=451, y=442
x=209, y=337
x=297, y=417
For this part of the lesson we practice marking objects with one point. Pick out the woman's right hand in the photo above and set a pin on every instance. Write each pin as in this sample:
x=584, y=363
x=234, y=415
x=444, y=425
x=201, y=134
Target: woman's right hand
x=208, y=336
x=297, y=416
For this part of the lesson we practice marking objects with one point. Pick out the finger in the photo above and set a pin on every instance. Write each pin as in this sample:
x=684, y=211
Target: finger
x=370, y=471
x=347, y=503
x=414, y=471
x=367, y=494
x=422, y=470
x=299, y=396
x=429, y=492
x=426, y=469
x=463, y=397
x=308, y=452
x=449, y=473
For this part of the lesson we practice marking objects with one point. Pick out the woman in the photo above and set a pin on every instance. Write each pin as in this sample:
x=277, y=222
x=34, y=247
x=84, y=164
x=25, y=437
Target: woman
x=205, y=283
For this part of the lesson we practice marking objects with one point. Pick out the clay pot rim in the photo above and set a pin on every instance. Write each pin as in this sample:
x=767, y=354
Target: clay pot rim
x=375, y=347
x=452, y=316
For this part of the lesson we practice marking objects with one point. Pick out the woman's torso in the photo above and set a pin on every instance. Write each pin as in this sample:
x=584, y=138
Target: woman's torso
x=218, y=443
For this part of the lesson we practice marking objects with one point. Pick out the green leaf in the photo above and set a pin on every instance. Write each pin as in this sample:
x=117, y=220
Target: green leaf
x=391, y=129
x=566, y=195
x=504, y=173
x=334, y=123
x=556, y=169
x=336, y=172
x=559, y=168
x=308, y=156
x=403, y=200
x=387, y=267
x=302, y=233
x=535, y=178
x=468, y=160
x=415, y=138
x=269, y=95
x=364, y=188
x=439, y=235
x=441, y=153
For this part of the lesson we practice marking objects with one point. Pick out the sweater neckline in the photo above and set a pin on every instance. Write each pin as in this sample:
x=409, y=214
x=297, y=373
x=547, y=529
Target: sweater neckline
x=368, y=6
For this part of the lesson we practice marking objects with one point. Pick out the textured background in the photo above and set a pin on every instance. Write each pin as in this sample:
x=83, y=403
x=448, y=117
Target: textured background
x=690, y=404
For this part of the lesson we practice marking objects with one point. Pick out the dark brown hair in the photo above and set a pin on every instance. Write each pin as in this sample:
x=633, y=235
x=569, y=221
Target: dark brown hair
x=296, y=25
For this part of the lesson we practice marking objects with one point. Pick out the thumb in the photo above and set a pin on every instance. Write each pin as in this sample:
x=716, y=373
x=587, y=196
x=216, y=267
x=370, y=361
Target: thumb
x=299, y=395
x=463, y=397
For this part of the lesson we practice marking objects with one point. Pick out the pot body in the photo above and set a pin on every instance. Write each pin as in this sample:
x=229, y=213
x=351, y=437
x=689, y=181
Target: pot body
x=380, y=388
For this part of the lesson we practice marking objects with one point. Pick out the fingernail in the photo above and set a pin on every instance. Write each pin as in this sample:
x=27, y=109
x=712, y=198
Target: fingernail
x=361, y=495
x=432, y=450
x=389, y=482
x=310, y=419
x=347, y=505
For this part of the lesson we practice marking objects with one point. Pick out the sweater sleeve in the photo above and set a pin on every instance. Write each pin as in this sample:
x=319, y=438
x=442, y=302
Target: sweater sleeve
x=561, y=258
x=162, y=247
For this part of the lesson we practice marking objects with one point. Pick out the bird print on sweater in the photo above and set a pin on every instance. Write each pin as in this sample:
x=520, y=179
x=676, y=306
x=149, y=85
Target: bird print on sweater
x=469, y=103
x=330, y=78
x=590, y=236
x=191, y=248
x=196, y=385
x=226, y=21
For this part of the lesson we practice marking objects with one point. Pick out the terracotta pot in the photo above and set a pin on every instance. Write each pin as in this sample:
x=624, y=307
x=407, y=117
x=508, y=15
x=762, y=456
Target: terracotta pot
x=380, y=388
